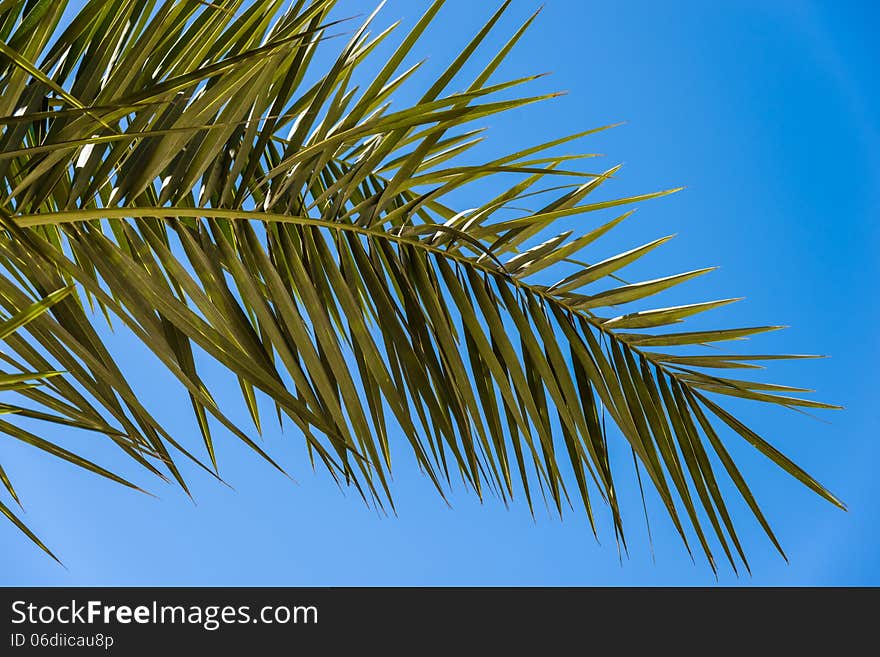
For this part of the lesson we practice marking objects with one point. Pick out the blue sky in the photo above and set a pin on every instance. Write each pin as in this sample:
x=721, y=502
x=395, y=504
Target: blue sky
x=765, y=111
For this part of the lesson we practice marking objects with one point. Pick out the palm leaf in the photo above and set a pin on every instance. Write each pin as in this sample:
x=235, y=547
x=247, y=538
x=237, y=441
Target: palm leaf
x=26, y=383
x=170, y=162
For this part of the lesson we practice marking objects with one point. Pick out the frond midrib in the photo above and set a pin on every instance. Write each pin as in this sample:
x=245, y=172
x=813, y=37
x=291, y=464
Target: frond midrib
x=170, y=212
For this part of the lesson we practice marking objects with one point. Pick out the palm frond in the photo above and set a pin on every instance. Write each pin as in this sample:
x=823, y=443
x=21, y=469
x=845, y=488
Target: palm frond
x=172, y=162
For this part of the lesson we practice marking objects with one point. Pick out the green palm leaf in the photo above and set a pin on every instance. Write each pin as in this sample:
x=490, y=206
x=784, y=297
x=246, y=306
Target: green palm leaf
x=26, y=383
x=170, y=161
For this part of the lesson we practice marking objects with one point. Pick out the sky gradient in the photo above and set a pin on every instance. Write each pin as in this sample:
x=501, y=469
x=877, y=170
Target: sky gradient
x=766, y=113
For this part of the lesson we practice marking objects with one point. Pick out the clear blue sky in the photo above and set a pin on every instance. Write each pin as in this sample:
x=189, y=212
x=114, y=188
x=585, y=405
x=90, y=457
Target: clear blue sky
x=767, y=113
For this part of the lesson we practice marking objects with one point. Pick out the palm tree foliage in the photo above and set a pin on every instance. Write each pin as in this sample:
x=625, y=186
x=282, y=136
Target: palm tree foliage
x=185, y=167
